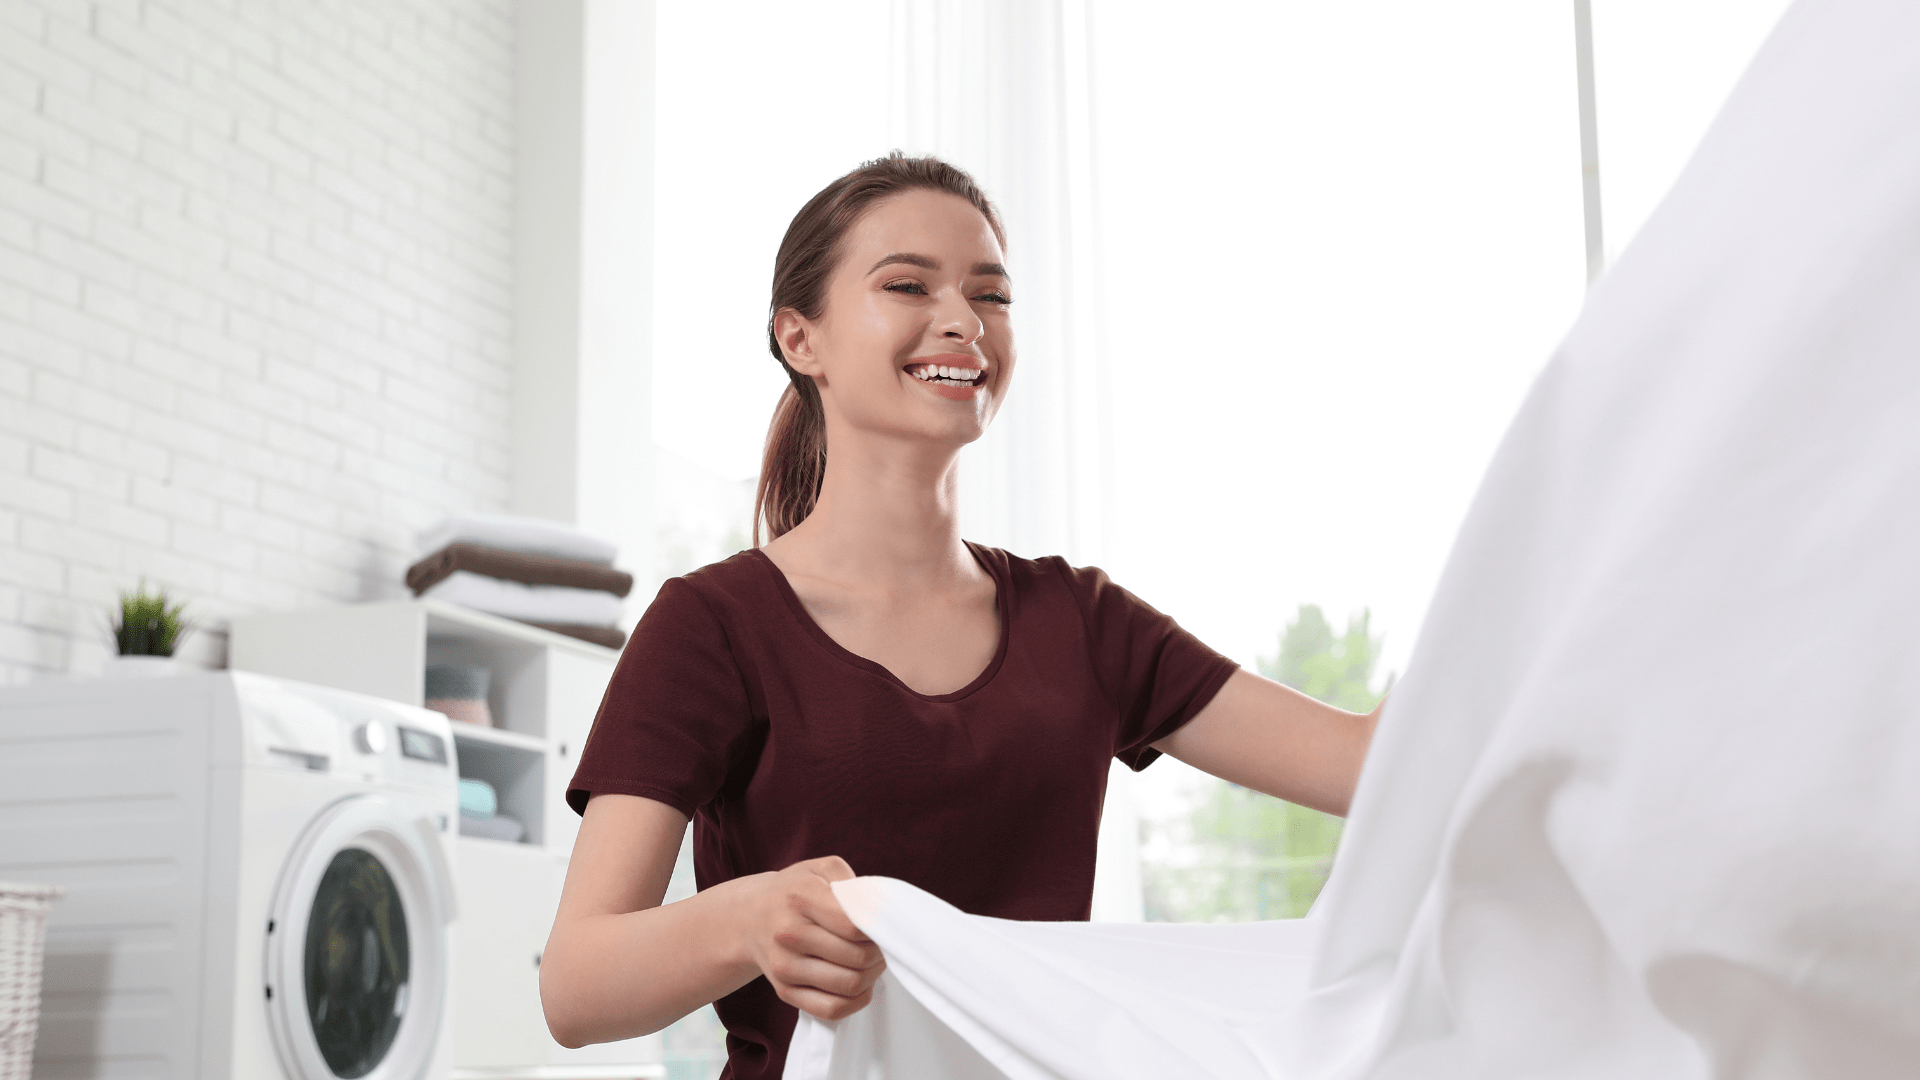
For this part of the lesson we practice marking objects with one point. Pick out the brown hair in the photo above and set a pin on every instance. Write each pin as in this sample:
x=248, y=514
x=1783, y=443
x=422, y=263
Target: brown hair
x=795, y=461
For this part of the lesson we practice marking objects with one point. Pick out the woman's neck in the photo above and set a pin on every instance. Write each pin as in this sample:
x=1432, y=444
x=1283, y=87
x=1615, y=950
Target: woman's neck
x=887, y=516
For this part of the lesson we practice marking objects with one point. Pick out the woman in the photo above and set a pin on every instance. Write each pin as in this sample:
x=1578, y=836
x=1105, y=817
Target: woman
x=867, y=691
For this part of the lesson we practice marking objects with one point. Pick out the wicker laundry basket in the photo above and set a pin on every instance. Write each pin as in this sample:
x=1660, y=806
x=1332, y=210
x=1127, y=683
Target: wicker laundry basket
x=23, y=936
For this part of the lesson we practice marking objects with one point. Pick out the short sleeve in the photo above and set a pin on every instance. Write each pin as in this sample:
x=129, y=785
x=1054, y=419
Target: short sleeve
x=676, y=716
x=1157, y=674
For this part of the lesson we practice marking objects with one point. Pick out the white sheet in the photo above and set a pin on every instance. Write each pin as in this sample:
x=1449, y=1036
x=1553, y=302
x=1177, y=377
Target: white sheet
x=1647, y=803
x=531, y=603
x=512, y=532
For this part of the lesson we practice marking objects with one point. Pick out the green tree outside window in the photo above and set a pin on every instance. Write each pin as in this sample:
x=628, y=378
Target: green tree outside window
x=1243, y=855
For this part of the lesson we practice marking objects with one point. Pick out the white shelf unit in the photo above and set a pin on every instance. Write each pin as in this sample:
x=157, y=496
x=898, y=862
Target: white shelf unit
x=544, y=692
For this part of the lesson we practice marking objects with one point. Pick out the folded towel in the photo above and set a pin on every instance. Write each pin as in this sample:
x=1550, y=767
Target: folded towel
x=511, y=533
x=611, y=637
x=493, y=828
x=516, y=566
x=477, y=799
x=529, y=603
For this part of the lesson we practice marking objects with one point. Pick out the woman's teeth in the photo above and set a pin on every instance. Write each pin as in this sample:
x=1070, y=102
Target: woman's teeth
x=952, y=376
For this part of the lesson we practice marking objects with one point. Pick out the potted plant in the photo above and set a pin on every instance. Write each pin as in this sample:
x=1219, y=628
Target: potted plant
x=148, y=629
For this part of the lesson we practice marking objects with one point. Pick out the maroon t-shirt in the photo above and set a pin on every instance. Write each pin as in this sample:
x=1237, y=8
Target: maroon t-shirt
x=731, y=705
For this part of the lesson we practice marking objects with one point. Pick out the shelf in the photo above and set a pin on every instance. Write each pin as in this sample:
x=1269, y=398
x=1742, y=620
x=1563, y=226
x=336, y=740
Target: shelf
x=492, y=736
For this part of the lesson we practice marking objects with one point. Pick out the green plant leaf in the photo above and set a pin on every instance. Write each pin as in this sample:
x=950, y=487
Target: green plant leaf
x=150, y=623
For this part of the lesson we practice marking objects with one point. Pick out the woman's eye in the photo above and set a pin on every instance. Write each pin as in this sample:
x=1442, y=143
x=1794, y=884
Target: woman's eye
x=994, y=298
x=912, y=287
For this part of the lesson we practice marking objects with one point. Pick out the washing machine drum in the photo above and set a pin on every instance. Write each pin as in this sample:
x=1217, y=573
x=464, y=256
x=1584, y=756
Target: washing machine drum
x=356, y=950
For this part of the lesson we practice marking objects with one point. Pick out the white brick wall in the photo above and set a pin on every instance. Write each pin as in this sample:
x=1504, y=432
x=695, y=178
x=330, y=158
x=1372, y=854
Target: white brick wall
x=255, y=302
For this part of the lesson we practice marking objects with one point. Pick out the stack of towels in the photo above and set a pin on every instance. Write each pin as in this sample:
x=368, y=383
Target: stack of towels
x=540, y=572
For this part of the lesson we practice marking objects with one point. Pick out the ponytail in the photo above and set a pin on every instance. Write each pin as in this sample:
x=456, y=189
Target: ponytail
x=795, y=462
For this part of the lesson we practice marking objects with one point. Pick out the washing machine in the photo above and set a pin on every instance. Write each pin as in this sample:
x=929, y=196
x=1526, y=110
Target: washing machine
x=258, y=872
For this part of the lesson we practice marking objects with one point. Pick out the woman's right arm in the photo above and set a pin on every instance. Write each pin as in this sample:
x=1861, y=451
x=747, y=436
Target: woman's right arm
x=618, y=964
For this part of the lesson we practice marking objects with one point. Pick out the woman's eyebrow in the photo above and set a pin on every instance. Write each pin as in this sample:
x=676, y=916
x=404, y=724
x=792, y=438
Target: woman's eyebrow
x=920, y=261
x=924, y=263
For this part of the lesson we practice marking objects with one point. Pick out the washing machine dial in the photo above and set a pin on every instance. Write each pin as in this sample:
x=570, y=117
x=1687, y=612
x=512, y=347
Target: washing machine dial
x=372, y=737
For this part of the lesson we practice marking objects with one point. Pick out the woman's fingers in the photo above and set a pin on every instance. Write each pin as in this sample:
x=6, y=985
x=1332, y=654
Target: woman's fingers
x=813, y=896
x=813, y=972
x=815, y=957
x=823, y=1005
x=831, y=867
x=809, y=939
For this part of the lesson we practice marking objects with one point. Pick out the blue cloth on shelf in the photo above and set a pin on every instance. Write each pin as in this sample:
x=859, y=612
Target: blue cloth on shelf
x=477, y=799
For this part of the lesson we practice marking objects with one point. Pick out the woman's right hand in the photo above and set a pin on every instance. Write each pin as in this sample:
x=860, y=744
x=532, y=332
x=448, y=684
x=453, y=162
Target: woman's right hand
x=816, y=959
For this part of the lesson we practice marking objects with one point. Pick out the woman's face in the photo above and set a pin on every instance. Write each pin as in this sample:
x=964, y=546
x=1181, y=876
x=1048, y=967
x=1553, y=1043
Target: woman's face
x=915, y=340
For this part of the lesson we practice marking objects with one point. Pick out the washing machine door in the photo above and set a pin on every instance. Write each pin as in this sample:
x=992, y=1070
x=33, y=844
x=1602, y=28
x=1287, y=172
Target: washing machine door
x=356, y=949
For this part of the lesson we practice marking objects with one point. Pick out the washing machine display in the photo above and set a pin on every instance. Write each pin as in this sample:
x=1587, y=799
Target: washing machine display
x=355, y=969
x=356, y=963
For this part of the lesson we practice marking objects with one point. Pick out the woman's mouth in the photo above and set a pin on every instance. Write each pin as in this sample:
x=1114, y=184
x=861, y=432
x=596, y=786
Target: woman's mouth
x=947, y=375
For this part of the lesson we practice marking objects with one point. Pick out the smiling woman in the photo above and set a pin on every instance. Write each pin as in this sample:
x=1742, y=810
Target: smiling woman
x=868, y=690
x=795, y=463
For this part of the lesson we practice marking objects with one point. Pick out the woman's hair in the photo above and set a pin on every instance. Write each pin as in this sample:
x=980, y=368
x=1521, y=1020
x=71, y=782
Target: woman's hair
x=795, y=462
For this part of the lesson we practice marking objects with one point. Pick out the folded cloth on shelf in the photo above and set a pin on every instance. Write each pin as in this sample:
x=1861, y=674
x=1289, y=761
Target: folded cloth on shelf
x=466, y=710
x=459, y=691
x=498, y=827
x=519, y=566
x=1644, y=803
x=509, y=532
x=528, y=603
x=477, y=799
x=611, y=637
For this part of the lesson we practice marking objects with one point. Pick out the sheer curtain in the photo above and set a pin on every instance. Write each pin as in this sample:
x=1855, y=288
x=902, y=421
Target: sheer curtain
x=1000, y=88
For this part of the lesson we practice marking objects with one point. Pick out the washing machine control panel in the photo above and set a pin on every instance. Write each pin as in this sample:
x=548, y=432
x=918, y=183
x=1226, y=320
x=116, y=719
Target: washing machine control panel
x=318, y=729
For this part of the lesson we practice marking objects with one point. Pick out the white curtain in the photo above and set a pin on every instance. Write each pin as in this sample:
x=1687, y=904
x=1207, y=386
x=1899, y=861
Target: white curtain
x=1000, y=88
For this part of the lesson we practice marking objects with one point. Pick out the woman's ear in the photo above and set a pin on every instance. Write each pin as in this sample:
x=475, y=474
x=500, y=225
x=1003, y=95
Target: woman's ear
x=795, y=334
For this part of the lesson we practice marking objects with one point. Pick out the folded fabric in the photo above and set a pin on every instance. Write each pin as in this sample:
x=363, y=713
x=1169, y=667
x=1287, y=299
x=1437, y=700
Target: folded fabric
x=611, y=637
x=509, y=532
x=493, y=828
x=517, y=566
x=529, y=603
x=1644, y=804
x=477, y=799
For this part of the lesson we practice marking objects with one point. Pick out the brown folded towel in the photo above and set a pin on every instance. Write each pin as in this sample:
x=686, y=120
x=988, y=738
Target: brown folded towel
x=516, y=566
x=610, y=636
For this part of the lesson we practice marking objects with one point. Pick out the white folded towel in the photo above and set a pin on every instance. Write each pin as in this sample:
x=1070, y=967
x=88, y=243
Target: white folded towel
x=529, y=603
x=493, y=828
x=510, y=532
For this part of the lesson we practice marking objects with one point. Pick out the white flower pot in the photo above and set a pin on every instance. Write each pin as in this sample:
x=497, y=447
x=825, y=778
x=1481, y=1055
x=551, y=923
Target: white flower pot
x=140, y=667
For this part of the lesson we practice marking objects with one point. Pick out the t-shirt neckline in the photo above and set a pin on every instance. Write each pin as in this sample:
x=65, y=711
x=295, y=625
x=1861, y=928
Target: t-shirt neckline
x=1001, y=599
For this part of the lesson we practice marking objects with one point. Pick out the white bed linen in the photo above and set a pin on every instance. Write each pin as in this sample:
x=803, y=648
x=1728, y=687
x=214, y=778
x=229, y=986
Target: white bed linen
x=1647, y=803
x=513, y=532
x=531, y=603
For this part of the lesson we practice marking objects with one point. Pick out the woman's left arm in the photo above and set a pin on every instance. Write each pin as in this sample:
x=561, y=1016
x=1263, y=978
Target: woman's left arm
x=1274, y=739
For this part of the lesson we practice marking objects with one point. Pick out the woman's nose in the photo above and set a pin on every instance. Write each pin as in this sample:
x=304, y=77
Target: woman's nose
x=956, y=320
